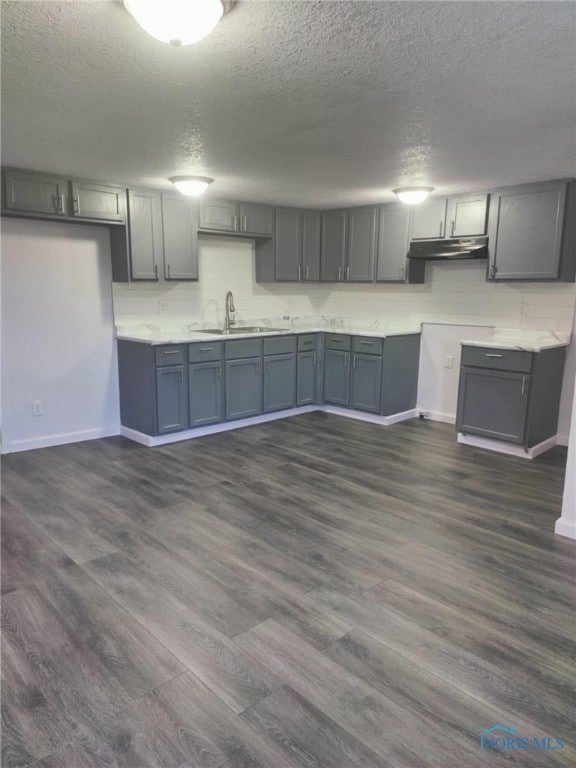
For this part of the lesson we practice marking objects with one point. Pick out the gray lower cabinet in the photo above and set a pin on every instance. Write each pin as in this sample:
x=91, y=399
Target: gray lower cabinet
x=205, y=393
x=531, y=232
x=172, y=401
x=306, y=378
x=400, y=366
x=366, y=381
x=337, y=377
x=510, y=395
x=279, y=382
x=243, y=388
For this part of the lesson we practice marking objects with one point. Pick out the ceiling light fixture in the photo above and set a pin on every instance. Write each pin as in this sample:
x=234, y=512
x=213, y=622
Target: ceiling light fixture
x=178, y=22
x=193, y=186
x=412, y=195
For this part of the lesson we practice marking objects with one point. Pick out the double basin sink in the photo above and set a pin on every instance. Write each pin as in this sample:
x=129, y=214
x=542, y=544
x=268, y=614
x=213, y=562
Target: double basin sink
x=241, y=329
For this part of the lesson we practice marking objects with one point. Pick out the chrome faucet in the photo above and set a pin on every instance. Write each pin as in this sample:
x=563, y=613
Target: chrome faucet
x=230, y=309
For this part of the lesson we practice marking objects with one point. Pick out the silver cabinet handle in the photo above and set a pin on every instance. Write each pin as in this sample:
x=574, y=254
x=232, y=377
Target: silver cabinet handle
x=171, y=352
x=523, y=385
x=332, y=338
x=299, y=273
x=235, y=225
x=258, y=365
x=354, y=363
x=348, y=272
x=75, y=206
x=206, y=349
x=441, y=226
x=492, y=354
x=244, y=224
x=219, y=370
x=339, y=273
x=58, y=202
x=345, y=359
x=155, y=271
x=168, y=271
x=307, y=271
x=452, y=227
x=367, y=342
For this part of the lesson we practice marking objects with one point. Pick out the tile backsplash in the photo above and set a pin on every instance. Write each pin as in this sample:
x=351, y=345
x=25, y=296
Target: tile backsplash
x=454, y=293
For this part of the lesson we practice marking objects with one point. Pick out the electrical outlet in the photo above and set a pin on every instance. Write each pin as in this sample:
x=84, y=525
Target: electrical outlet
x=449, y=361
x=37, y=408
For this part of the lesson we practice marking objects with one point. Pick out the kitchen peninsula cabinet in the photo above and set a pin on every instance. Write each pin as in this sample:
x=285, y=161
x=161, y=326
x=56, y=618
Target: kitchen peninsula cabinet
x=531, y=232
x=510, y=395
x=49, y=196
x=161, y=240
x=229, y=217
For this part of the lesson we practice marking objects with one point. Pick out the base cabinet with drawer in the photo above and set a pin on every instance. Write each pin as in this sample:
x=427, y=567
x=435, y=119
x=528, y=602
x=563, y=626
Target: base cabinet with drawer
x=366, y=374
x=510, y=395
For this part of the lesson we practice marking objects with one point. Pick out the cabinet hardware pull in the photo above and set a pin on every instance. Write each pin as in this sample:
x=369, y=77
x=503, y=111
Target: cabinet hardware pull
x=348, y=272
x=314, y=360
x=75, y=207
x=235, y=224
x=335, y=338
x=440, y=229
x=345, y=359
x=491, y=354
x=168, y=268
x=307, y=271
x=339, y=273
x=171, y=351
x=366, y=342
x=206, y=349
x=453, y=228
x=299, y=273
x=523, y=385
x=155, y=271
x=219, y=371
x=244, y=224
x=258, y=365
x=354, y=363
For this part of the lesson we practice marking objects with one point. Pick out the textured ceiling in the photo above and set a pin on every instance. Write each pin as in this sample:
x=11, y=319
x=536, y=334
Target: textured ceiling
x=299, y=102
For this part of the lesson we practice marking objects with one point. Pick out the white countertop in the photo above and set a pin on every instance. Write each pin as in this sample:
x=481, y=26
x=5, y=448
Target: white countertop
x=149, y=334
x=525, y=340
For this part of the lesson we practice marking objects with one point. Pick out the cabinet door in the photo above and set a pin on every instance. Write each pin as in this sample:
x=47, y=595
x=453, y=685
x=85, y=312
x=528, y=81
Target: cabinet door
x=243, y=388
x=400, y=364
x=493, y=404
x=306, y=378
x=145, y=233
x=466, y=216
x=333, y=246
x=337, y=377
x=428, y=220
x=35, y=193
x=256, y=219
x=288, y=254
x=171, y=400
x=366, y=382
x=525, y=232
x=205, y=393
x=362, y=243
x=180, y=227
x=392, y=243
x=98, y=201
x=219, y=216
x=311, y=245
x=279, y=382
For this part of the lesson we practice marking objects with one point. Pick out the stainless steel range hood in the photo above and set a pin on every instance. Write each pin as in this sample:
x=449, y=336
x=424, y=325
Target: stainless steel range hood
x=449, y=250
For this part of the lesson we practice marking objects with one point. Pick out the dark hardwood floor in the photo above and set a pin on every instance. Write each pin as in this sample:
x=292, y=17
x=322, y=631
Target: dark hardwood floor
x=315, y=592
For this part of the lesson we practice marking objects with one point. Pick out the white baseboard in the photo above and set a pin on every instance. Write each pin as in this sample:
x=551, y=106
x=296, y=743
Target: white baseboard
x=499, y=446
x=189, y=434
x=48, y=441
x=562, y=440
x=565, y=528
x=445, y=418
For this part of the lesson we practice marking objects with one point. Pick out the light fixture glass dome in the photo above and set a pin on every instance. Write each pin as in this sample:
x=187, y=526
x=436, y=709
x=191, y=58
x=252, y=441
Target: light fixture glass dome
x=412, y=195
x=177, y=22
x=193, y=186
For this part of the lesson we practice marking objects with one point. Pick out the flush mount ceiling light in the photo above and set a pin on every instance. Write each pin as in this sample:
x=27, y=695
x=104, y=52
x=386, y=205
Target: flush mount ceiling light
x=178, y=22
x=193, y=186
x=412, y=195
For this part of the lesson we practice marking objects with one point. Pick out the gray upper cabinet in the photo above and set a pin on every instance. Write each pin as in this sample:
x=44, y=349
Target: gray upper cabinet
x=53, y=196
x=531, y=232
x=393, y=243
x=333, y=245
x=35, y=193
x=294, y=252
x=310, y=245
x=91, y=200
x=288, y=245
x=238, y=218
x=145, y=234
x=428, y=219
x=362, y=244
x=180, y=227
x=467, y=215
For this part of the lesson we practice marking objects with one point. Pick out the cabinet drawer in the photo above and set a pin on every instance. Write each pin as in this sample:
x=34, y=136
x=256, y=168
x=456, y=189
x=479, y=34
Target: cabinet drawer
x=338, y=341
x=307, y=342
x=499, y=359
x=204, y=353
x=368, y=344
x=235, y=350
x=172, y=355
x=280, y=345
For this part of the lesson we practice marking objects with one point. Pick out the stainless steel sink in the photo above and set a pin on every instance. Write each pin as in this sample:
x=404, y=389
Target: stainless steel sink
x=241, y=329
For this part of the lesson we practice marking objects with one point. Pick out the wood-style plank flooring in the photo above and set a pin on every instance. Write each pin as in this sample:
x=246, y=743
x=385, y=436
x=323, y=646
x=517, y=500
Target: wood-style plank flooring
x=315, y=592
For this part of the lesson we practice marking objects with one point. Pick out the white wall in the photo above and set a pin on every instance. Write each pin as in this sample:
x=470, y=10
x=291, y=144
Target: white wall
x=57, y=334
x=454, y=295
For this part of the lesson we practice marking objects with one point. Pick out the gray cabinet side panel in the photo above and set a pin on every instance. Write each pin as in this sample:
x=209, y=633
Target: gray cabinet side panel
x=401, y=359
x=545, y=391
x=120, y=254
x=568, y=255
x=265, y=260
x=136, y=374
